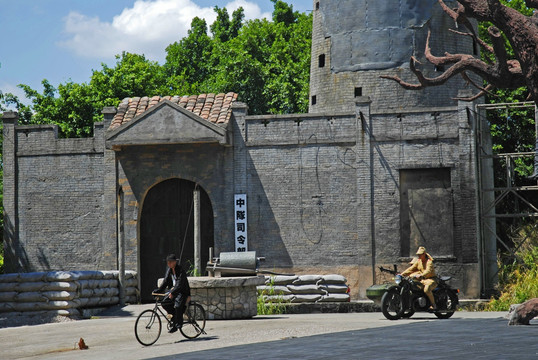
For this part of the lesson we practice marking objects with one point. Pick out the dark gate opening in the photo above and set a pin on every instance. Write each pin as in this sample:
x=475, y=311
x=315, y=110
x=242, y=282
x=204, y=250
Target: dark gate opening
x=167, y=220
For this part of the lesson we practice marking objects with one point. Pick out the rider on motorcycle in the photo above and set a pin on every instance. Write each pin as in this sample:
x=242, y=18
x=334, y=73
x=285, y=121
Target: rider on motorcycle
x=422, y=270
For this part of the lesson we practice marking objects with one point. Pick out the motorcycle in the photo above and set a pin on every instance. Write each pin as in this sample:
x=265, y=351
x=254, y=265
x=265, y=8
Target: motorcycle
x=406, y=297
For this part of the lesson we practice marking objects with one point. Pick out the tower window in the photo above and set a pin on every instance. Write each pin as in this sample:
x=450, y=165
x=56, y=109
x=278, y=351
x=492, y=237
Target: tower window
x=314, y=99
x=321, y=60
x=358, y=91
x=317, y=5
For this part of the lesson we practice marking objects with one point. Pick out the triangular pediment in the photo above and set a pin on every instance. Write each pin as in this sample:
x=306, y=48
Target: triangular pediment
x=167, y=123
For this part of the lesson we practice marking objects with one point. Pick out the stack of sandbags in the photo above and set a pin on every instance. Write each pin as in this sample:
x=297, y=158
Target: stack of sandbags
x=36, y=292
x=305, y=288
x=63, y=291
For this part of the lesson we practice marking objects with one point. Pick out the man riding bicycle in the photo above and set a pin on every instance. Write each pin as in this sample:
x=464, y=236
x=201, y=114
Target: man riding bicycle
x=176, y=280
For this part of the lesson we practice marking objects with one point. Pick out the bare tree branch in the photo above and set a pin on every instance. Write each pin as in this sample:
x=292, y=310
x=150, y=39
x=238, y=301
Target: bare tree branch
x=481, y=42
x=521, y=31
x=483, y=90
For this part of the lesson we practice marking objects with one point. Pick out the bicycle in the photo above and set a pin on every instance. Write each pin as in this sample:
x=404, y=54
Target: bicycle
x=148, y=325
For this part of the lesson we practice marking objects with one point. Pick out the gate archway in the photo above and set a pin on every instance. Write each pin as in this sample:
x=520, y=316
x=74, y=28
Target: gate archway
x=167, y=226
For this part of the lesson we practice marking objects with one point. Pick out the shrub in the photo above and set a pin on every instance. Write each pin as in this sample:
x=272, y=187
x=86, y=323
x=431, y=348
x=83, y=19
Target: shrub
x=518, y=280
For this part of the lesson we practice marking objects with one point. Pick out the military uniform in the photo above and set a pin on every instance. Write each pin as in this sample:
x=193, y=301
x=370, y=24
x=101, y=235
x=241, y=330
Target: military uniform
x=425, y=273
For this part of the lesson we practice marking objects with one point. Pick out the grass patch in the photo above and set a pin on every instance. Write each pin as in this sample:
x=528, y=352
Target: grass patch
x=271, y=302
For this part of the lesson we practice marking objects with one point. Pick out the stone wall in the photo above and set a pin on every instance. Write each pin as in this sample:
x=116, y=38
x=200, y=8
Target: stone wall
x=226, y=298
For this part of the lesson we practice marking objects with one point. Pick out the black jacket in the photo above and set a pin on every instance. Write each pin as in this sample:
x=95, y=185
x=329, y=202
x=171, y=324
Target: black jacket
x=182, y=284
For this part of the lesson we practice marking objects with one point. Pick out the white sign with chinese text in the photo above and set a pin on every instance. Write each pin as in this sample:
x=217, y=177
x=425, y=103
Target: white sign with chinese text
x=240, y=206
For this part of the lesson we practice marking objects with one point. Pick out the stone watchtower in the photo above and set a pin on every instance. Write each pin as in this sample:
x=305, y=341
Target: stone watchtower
x=354, y=42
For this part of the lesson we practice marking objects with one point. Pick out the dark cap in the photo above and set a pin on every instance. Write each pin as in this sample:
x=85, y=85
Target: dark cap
x=172, y=257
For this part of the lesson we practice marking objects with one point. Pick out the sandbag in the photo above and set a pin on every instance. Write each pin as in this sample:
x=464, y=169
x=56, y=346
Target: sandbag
x=84, y=275
x=60, y=295
x=31, y=277
x=131, y=299
x=305, y=289
x=21, y=306
x=298, y=298
x=335, y=298
x=104, y=301
x=280, y=279
x=60, y=276
x=333, y=279
x=108, y=275
x=59, y=304
x=132, y=282
x=273, y=290
x=110, y=292
x=60, y=286
x=9, y=278
x=307, y=279
x=278, y=298
x=8, y=286
x=30, y=286
x=130, y=274
x=8, y=296
x=30, y=296
x=82, y=302
x=130, y=291
x=334, y=288
x=67, y=312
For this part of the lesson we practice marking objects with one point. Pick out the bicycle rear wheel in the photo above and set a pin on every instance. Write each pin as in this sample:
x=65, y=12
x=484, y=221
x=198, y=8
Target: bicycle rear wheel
x=194, y=325
x=148, y=327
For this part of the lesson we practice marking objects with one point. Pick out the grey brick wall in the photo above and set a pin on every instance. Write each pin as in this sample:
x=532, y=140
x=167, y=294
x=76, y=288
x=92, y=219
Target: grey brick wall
x=59, y=200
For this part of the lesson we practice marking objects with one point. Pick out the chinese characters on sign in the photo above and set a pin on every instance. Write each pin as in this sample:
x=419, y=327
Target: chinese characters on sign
x=241, y=241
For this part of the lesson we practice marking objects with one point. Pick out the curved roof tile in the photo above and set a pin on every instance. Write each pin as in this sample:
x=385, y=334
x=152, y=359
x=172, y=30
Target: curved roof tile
x=216, y=108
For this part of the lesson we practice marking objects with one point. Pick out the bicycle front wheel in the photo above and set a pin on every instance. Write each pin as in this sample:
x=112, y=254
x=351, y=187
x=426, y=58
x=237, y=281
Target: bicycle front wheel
x=194, y=323
x=148, y=327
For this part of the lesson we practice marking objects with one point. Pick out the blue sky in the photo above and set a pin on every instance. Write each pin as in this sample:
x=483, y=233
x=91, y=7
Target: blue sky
x=62, y=40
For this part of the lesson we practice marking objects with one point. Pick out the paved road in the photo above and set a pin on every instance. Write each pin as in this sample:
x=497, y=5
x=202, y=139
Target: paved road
x=468, y=335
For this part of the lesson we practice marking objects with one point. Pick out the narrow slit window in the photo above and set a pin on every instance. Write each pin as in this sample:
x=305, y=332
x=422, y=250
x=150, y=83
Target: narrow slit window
x=317, y=5
x=314, y=99
x=321, y=60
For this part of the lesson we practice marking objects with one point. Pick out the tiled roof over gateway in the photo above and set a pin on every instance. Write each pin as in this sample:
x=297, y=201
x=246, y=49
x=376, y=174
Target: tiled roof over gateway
x=216, y=108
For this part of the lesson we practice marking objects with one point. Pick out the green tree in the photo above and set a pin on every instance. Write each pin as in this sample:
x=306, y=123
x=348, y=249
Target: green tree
x=76, y=107
x=187, y=60
x=267, y=64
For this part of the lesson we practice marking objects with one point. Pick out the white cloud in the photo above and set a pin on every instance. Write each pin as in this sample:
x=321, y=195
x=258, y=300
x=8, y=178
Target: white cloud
x=146, y=28
x=13, y=89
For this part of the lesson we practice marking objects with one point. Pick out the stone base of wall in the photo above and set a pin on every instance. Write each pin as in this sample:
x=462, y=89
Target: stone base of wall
x=226, y=297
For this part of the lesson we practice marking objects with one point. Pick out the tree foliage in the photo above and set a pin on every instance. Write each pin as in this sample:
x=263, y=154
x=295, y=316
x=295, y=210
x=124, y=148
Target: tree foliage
x=266, y=62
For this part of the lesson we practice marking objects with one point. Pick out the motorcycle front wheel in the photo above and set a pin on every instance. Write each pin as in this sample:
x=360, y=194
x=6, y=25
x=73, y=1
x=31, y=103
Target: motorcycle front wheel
x=391, y=304
x=446, y=303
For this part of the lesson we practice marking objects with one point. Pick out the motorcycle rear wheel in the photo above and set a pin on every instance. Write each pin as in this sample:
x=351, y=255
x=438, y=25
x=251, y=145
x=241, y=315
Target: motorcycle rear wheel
x=446, y=302
x=391, y=305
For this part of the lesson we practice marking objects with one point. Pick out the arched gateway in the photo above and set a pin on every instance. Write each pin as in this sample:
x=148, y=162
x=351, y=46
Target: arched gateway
x=167, y=226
